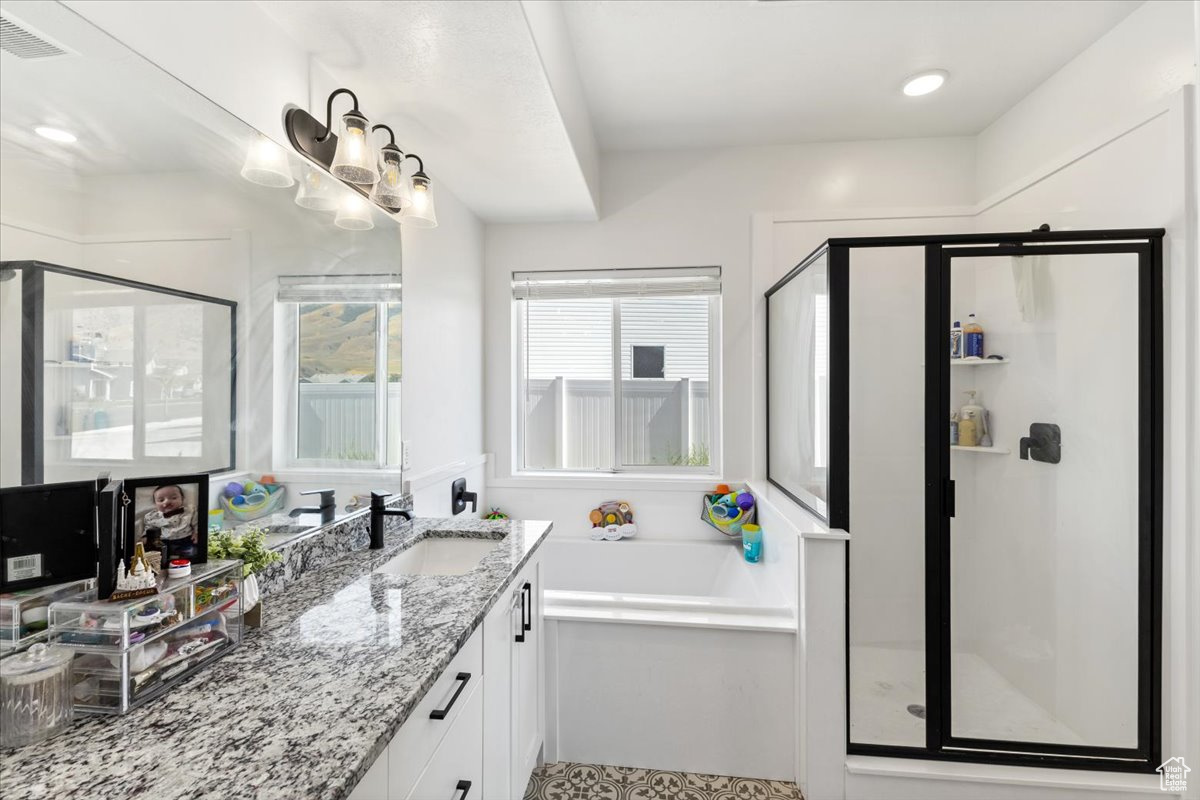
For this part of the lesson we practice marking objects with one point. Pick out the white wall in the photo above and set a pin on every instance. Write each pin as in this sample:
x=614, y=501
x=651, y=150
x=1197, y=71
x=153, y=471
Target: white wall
x=1144, y=59
x=689, y=208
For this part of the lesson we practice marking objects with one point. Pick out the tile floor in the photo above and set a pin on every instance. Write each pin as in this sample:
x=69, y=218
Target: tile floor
x=568, y=781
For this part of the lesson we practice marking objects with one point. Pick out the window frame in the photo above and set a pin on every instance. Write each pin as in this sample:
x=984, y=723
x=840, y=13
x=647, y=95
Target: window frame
x=521, y=399
x=287, y=359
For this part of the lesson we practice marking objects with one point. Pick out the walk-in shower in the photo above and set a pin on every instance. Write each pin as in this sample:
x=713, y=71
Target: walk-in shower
x=1003, y=500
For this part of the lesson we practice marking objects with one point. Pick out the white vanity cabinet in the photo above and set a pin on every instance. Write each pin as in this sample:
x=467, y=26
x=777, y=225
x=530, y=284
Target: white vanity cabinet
x=514, y=687
x=478, y=732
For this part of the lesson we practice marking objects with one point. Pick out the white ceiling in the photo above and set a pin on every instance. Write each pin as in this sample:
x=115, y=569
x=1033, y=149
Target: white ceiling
x=463, y=85
x=746, y=72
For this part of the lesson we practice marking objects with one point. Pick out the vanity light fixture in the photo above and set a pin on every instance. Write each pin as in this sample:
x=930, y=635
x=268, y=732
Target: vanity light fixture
x=318, y=190
x=267, y=164
x=55, y=134
x=353, y=160
x=354, y=213
x=391, y=190
x=925, y=82
x=422, y=213
x=376, y=173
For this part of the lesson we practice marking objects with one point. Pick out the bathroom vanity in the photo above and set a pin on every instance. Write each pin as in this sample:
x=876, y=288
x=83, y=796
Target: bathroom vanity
x=409, y=672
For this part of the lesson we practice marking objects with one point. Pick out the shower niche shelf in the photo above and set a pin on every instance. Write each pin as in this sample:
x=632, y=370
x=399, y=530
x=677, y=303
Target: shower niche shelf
x=995, y=451
x=982, y=362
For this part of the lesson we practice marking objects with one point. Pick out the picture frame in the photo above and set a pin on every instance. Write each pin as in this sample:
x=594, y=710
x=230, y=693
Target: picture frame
x=168, y=515
x=47, y=534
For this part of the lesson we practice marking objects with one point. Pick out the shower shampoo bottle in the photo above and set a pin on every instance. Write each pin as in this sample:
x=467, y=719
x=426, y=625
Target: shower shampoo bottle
x=972, y=334
x=970, y=421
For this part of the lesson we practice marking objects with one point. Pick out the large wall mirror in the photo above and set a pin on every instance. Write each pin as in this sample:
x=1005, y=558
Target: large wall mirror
x=194, y=298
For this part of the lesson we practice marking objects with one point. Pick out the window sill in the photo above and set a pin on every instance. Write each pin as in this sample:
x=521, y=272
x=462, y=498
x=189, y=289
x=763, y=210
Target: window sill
x=614, y=481
x=308, y=474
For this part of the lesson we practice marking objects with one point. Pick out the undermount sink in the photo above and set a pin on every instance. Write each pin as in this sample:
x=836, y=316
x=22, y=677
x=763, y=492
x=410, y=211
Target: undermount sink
x=440, y=555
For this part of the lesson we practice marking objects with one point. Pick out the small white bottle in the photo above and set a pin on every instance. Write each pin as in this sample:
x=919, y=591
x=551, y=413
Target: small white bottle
x=956, y=340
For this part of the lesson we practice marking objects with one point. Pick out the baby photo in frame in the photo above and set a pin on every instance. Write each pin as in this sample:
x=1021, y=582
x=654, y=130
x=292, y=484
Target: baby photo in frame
x=169, y=517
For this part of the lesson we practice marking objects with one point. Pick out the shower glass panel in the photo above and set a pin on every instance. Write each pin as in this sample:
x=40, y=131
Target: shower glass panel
x=887, y=495
x=798, y=384
x=1044, y=539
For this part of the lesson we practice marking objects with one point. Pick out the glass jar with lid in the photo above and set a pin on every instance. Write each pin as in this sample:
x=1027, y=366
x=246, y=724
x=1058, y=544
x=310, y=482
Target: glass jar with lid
x=35, y=695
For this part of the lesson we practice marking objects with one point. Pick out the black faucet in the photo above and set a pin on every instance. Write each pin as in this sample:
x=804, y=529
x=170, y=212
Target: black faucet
x=327, y=509
x=379, y=512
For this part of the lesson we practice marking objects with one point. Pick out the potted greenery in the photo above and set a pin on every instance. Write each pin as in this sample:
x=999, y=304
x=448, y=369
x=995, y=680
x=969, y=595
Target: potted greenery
x=250, y=546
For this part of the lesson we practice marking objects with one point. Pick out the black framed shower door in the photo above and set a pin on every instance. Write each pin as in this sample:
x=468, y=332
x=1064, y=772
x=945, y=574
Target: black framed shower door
x=1138, y=747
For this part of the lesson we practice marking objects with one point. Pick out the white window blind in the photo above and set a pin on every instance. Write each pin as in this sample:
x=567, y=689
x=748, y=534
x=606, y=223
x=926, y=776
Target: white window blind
x=338, y=289
x=580, y=284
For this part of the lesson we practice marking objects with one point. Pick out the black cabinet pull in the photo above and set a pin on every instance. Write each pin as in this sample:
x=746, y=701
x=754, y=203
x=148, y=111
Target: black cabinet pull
x=527, y=619
x=520, y=637
x=464, y=787
x=440, y=713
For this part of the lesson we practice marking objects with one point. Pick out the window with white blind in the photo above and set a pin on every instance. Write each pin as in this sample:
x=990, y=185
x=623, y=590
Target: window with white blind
x=617, y=369
x=340, y=357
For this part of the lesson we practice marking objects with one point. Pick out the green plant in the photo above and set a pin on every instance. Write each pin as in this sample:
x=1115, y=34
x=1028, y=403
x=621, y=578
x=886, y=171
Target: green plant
x=698, y=457
x=250, y=547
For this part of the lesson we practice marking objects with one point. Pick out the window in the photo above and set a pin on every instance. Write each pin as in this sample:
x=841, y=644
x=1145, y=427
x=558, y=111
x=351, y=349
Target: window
x=616, y=369
x=342, y=370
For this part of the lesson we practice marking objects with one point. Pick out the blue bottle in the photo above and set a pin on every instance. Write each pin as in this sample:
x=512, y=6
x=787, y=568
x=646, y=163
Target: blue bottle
x=752, y=542
x=972, y=338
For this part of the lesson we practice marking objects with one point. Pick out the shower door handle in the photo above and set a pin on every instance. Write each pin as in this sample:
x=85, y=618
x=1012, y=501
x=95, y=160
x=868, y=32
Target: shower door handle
x=948, y=498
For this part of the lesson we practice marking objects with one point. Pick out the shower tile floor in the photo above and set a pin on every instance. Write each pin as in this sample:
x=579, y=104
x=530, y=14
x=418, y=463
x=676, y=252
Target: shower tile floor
x=884, y=681
x=569, y=781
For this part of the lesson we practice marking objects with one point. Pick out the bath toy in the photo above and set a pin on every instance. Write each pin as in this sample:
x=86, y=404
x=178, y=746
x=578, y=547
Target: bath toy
x=232, y=489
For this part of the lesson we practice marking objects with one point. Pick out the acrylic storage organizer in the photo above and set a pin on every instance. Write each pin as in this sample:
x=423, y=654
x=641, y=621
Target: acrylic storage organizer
x=129, y=652
x=25, y=614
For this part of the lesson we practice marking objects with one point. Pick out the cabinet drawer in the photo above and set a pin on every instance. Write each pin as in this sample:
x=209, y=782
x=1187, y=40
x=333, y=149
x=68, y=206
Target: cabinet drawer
x=455, y=772
x=420, y=735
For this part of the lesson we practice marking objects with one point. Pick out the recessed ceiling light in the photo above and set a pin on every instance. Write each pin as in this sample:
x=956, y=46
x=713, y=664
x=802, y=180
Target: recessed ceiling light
x=925, y=82
x=55, y=135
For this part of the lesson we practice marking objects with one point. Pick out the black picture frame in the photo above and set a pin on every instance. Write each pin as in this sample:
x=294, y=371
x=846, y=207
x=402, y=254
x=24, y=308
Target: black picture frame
x=137, y=501
x=54, y=525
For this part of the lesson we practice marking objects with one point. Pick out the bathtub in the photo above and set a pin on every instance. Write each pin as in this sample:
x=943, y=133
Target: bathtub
x=693, y=584
x=670, y=655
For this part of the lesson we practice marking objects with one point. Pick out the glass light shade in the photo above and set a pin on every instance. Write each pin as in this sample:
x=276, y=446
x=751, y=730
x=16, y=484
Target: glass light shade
x=354, y=213
x=354, y=160
x=391, y=190
x=317, y=191
x=421, y=214
x=267, y=165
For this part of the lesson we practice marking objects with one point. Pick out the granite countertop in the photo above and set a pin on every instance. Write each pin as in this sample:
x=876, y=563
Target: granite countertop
x=304, y=705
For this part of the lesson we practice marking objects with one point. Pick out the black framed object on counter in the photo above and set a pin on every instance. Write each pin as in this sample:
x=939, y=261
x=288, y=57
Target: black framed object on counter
x=167, y=515
x=47, y=534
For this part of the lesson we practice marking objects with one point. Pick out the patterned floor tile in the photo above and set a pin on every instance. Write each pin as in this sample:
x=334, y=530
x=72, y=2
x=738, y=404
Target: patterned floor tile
x=568, y=781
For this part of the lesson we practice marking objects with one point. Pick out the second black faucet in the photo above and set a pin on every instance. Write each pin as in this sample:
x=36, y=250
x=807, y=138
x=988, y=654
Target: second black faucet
x=379, y=513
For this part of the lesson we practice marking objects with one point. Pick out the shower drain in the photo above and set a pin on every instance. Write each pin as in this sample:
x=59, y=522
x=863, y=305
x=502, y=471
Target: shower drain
x=917, y=710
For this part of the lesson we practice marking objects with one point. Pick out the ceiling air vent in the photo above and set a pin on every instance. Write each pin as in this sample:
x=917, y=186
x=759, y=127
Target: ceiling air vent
x=23, y=43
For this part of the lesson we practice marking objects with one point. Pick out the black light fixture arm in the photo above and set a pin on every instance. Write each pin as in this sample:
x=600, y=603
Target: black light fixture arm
x=420, y=163
x=329, y=112
x=391, y=133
